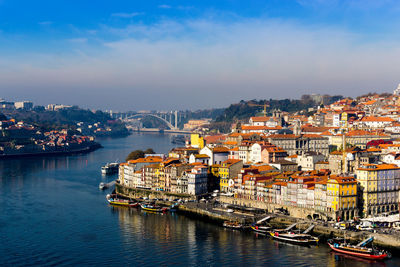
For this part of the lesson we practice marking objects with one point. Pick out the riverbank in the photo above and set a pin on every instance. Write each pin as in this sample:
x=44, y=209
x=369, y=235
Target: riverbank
x=217, y=213
x=85, y=149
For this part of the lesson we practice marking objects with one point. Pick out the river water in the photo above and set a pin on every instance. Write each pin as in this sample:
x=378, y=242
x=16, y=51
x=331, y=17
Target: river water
x=52, y=213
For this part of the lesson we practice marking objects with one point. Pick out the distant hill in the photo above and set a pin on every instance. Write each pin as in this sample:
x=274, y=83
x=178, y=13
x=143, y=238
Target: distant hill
x=67, y=118
x=246, y=109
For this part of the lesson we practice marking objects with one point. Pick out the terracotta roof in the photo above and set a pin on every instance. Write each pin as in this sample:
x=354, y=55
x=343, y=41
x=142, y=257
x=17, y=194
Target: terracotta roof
x=230, y=143
x=389, y=145
x=215, y=138
x=371, y=102
x=231, y=161
x=281, y=183
x=220, y=149
x=264, y=168
x=373, y=149
x=374, y=167
x=365, y=133
x=343, y=180
x=379, y=119
x=245, y=127
x=200, y=156
x=146, y=160
x=273, y=149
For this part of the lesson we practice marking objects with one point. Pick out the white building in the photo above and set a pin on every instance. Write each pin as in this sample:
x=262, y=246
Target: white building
x=307, y=160
x=197, y=181
x=372, y=122
x=397, y=91
x=264, y=121
x=255, y=153
x=26, y=105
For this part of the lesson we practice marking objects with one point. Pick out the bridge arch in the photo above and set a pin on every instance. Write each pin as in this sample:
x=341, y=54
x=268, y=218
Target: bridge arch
x=172, y=127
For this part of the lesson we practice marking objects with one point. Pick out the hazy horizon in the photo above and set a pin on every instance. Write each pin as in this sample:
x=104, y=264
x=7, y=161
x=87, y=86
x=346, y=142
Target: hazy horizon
x=166, y=55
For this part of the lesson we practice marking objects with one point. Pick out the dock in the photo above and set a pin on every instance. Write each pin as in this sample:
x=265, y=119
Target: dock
x=218, y=215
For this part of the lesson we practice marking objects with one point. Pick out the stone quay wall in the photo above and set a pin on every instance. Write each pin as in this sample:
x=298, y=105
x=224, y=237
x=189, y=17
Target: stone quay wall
x=138, y=193
x=297, y=212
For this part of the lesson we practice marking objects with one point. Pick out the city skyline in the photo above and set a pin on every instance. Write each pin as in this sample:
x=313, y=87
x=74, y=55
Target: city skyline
x=189, y=55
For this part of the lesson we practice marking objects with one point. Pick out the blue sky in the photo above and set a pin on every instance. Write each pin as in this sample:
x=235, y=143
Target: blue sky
x=185, y=54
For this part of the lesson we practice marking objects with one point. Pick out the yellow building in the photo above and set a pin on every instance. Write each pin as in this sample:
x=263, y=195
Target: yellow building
x=197, y=141
x=379, y=185
x=151, y=175
x=342, y=197
x=162, y=183
x=227, y=172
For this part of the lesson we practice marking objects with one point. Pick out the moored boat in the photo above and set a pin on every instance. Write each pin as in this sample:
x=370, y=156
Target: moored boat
x=114, y=200
x=153, y=208
x=110, y=168
x=233, y=225
x=360, y=250
x=261, y=229
x=294, y=238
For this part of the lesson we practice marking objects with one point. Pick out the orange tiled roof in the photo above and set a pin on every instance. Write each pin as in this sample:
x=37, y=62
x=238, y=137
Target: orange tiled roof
x=146, y=160
x=230, y=143
x=200, y=156
x=380, y=119
x=215, y=138
x=374, y=167
x=245, y=127
x=220, y=149
x=364, y=132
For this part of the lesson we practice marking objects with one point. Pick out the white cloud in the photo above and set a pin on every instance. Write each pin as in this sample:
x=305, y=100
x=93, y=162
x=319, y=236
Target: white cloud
x=126, y=15
x=164, y=6
x=78, y=40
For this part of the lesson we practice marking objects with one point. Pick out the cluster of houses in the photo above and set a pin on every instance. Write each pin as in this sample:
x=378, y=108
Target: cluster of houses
x=340, y=162
x=18, y=138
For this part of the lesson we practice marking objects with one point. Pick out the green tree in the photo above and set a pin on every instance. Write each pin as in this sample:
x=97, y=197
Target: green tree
x=149, y=151
x=135, y=155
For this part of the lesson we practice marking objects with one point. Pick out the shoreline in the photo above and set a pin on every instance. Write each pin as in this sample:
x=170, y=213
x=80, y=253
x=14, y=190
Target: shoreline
x=86, y=149
x=207, y=212
x=387, y=241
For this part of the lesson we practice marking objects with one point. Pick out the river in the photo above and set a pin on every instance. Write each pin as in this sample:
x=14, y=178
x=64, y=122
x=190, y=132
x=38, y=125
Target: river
x=52, y=213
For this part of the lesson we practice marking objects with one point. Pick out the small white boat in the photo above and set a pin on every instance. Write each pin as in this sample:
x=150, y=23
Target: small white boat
x=102, y=186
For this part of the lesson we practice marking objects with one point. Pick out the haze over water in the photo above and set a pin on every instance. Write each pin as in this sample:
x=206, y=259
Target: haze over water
x=52, y=213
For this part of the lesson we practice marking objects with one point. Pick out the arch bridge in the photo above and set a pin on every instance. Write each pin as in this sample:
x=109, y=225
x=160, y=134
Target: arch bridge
x=169, y=124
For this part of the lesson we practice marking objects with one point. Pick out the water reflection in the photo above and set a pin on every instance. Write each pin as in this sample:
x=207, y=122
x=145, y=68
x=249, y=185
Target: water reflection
x=175, y=239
